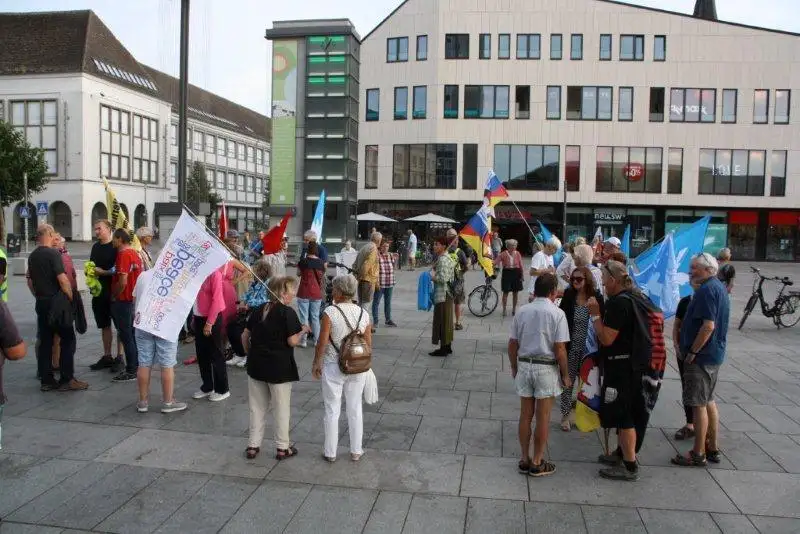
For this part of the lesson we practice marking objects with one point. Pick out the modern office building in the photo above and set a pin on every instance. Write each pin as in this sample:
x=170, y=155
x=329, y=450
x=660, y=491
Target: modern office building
x=75, y=91
x=315, y=88
x=636, y=115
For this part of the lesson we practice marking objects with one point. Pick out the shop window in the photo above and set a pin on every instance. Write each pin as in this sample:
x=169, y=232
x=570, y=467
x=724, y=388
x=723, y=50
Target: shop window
x=777, y=186
x=657, y=95
x=522, y=101
x=675, y=171
x=641, y=222
x=528, y=167
x=782, y=235
x=572, y=167
x=742, y=232
x=732, y=172
x=629, y=169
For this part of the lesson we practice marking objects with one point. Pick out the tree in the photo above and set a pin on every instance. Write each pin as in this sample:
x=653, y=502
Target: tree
x=199, y=190
x=17, y=157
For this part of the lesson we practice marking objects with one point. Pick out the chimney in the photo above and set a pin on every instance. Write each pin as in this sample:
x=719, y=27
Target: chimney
x=705, y=9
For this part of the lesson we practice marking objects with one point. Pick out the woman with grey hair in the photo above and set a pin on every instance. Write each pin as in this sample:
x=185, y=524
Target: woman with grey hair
x=583, y=255
x=145, y=236
x=511, y=281
x=338, y=321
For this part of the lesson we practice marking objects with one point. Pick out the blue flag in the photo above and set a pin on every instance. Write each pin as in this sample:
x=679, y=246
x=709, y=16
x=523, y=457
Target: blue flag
x=546, y=235
x=626, y=242
x=319, y=217
x=661, y=280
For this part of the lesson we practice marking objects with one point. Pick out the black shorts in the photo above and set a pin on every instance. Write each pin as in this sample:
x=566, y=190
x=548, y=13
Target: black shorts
x=622, y=400
x=101, y=308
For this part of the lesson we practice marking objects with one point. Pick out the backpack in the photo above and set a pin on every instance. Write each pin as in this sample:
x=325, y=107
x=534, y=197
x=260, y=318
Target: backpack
x=648, y=349
x=355, y=355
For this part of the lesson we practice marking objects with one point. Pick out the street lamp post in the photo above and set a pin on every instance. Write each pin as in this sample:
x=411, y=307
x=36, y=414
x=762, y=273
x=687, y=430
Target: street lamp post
x=183, y=103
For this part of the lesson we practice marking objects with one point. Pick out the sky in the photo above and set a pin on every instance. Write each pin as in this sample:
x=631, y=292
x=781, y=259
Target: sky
x=230, y=57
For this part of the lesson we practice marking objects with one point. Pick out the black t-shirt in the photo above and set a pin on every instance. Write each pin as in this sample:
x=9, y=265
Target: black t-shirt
x=271, y=359
x=619, y=315
x=9, y=337
x=104, y=256
x=44, y=266
x=683, y=305
x=726, y=274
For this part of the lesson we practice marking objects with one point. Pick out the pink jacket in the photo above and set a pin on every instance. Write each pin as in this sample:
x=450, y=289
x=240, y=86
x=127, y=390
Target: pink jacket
x=228, y=292
x=210, y=300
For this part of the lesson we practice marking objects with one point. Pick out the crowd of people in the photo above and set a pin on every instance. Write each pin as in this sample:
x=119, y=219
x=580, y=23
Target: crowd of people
x=251, y=315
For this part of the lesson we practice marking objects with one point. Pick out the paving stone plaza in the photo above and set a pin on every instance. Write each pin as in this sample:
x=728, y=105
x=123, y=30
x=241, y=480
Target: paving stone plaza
x=441, y=447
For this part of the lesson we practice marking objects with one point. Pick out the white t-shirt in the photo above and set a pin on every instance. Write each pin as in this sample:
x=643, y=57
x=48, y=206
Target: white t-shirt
x=539, y=261
x=538, y=326
x=141, y=284
x=412, y=244
x=565, y=268
x=339, y=329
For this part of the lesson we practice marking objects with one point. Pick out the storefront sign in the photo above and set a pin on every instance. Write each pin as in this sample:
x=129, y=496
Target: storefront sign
x=609, y=216
x=284, y=123
x=633, y=172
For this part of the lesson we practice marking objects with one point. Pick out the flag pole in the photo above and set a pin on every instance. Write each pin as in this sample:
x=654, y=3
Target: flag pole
x=526, y=224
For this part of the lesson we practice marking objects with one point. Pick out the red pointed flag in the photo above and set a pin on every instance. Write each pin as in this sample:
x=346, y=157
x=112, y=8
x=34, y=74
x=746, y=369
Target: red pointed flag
x=272, y=239
x=223, y=222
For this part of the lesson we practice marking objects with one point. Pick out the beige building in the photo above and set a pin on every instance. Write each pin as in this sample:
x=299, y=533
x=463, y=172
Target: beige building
x=647, y=117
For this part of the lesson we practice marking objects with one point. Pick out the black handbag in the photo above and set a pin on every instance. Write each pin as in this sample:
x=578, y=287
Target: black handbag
x=79, y=311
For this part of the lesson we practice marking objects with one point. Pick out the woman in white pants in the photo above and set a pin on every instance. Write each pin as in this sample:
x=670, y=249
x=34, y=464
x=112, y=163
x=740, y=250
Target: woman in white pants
x=326, y=367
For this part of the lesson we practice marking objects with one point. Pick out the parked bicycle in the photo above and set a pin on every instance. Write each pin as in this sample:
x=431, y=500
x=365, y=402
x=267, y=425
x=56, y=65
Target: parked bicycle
x=786, y=310
x=425, y=255
x=483, y=299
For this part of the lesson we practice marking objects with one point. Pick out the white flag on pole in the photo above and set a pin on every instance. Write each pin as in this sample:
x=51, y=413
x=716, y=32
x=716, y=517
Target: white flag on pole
x=188, y=258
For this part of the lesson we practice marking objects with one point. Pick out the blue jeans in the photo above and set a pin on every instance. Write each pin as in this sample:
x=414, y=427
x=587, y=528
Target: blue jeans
x=386, y=293
x=308, y=310
x=122, y=314
x=155, y=350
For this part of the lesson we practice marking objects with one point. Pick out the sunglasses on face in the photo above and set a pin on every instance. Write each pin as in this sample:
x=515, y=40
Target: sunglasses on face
x=577, y=279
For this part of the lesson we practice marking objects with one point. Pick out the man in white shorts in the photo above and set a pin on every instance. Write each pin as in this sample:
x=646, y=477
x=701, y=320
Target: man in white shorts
x=411, y=249
x=538, y=356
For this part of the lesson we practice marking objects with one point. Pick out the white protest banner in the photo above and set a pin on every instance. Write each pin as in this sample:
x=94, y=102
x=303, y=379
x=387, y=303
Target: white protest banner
x=188, y=257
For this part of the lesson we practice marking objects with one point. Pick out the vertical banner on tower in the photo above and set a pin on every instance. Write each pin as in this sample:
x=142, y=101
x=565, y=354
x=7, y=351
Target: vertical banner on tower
x=188, y=257
x=284, y=122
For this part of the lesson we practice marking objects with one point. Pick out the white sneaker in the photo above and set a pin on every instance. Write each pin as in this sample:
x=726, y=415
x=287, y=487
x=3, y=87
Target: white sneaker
x=303, y=344
x=236, y=360
x=199, y=394
x=216, y=397
x=242, y=364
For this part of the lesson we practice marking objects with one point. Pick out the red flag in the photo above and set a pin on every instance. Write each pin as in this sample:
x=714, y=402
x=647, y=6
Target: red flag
x=223, y=223
x=272, y=239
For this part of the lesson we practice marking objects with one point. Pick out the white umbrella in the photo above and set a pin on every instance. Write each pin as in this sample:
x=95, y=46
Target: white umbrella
x=430, y=218
x=374, y=217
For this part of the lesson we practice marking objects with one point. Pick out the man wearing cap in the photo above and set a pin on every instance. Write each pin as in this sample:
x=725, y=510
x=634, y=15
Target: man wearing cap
x=610, y=246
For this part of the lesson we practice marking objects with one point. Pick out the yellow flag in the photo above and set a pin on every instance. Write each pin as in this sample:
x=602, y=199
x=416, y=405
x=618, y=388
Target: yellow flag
x=117, y=216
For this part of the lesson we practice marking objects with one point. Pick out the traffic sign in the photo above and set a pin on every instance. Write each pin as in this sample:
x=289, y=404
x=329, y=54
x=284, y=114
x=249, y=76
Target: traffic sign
x=41, y=208
x=24, y=212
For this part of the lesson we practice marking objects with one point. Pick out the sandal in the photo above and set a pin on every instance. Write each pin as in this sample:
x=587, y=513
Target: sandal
x=524, y=466
x=252, y=452
x=713, y=456
x=691, y=459
x=283, y=454
x=684, y=433
x=543, y=469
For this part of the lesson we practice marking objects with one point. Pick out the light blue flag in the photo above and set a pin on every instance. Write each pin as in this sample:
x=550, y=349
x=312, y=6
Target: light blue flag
x=319, y=217
x=661, y=280
x=626, y=242
x=546, y=235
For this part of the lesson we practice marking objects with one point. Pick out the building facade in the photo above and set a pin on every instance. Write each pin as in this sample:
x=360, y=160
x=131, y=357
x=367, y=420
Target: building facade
x=632, y=115
x=72, y=89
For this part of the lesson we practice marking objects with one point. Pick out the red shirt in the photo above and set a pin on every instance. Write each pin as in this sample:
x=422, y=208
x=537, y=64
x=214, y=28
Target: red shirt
x=128, y=261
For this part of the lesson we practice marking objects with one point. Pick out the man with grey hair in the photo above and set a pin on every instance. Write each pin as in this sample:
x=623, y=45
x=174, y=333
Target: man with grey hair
x=727, y=272
x=367, y=269
x=703, y=339
x=542, y=262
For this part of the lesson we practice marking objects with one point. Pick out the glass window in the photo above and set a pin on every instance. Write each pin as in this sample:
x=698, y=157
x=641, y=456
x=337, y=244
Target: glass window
x=373, y=104
x=504, y=46
x=625, y=104
x=422, y=47
x=397, y=49
x=486, y=101
x=528, y=167
x=430, y=166
x=485, y=46
x=603, y=169
x=589, y=103
x=451, y=102
x=221, y=146
x=708, y=105
x=402, y=49
x=777, y=187
x=420, y=102
x=456, y=46
x=572, y=167
x=605, y=99
x=657, y=104
x=231, y=149
x=210, y=140
x=675, y=171
x=37, y=121
x=574, y=100
x=554, y=102
x=676, y=108
x=529, y=46
x=729, y=103
x=660, y=48
x=522, y=101
x=576, y=46
x=629, y=169
x=761, y=106
x=173, y=130
x=470, y=167
x=782, y=103
x=371, y=167
x=693, y=105
x=605, y=47
x=631, y=48
x=400, y=103
x=472, y=101
x=732, y=172
x=240, y=151
x=556, y=46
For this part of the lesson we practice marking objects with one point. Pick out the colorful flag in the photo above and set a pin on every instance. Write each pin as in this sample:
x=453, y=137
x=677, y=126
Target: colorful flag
x=223, y=222
x=587, y=406
x=475, y=234
x=493, y=192
x=319, y=217
x=189, y=256
x=625, y=248
x=272, y=239
x=117, y=215
x=661, y=281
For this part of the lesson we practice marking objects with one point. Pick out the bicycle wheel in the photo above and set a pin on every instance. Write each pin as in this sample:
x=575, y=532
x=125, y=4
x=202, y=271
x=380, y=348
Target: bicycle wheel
x=482, y=301
x=748, y=309
x=789, y=311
